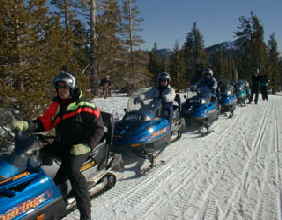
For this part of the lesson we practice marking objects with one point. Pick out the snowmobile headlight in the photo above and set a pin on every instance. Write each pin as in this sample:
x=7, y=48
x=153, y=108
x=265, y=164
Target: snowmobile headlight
x=150, y=130
x=135, y=145
x=229, y=93
x=203, y=101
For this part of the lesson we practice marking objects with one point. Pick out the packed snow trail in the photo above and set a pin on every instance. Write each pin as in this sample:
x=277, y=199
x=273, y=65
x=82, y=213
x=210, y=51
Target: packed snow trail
x=233, y=173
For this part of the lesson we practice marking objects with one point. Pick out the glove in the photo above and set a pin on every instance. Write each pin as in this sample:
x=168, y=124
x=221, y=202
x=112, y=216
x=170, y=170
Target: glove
x=19, y=125
x=79, y=149
x=136, y=100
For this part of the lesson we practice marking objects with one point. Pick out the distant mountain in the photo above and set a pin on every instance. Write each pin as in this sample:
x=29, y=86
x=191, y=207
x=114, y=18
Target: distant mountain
x=229, y=46
x=164, y=52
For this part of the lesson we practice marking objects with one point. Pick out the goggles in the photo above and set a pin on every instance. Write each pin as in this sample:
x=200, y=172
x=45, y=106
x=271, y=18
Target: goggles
x=164, y=80
x=61, y=85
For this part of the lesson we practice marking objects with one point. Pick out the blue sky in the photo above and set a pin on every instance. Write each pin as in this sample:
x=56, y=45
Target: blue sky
x=168, y=21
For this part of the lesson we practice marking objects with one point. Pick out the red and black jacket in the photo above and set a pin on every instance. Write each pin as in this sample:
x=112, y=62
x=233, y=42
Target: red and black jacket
x=74, y=121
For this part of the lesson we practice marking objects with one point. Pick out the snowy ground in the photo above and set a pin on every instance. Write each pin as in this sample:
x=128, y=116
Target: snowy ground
x=234, y=173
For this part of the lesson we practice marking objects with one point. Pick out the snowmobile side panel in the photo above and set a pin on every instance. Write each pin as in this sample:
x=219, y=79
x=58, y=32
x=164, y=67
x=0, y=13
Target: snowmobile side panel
x=27, y=196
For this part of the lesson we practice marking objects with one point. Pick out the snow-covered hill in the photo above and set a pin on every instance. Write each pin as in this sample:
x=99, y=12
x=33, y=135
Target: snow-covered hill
x=233, y=173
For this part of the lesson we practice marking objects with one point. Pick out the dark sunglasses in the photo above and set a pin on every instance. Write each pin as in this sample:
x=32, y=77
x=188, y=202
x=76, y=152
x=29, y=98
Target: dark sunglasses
x=61, y=86
x=164, y=80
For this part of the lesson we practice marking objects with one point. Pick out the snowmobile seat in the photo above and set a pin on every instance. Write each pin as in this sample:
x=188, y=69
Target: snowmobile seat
x=101, y=152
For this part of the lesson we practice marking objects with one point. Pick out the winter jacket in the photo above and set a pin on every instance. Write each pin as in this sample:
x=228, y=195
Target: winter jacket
x=255, y=82
x=106, y=83
x=165, y=94
x=211, y=83
x=263, y=82
x=75, y=122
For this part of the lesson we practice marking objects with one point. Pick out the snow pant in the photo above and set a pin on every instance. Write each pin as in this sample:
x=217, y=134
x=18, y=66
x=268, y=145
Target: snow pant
x=70, y=169
x=167, y=110
x=107, y=92
x=264, y=93
x=254, y=92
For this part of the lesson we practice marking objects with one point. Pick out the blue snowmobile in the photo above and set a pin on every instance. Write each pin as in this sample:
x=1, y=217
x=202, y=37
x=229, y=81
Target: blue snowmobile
x=201, y=109
x=145, y=130
x=240, y=90
x=27, y=192
x=227, y=98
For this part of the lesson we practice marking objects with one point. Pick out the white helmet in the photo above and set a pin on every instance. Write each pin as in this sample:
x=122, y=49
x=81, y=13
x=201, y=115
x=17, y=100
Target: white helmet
x=208, y=71
x=65, y=77
x=163, y=76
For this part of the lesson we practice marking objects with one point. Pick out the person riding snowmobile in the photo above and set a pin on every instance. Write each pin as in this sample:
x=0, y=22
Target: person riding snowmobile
x=79, y=128
x=162, y=92
x=208, y=80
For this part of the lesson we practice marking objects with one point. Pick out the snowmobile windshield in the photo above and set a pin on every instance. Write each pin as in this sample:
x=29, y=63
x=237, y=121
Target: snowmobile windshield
x=142, y=110
x=204, y=92
x=25, y=146
x=228, y=90
x=240, y=85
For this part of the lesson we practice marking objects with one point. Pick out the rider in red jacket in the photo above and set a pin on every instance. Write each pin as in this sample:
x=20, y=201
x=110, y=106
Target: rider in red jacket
x=79, y=128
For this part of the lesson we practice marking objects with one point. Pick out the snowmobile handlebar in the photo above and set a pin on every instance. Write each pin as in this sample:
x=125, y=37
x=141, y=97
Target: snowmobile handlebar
x=29, y=143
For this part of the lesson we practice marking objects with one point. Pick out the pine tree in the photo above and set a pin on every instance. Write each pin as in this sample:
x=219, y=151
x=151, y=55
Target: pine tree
x=243, y=42
x=155, y=64
x=108, y=44
x=195, y=56
x=253, y=50
x=177, y=68
x=27, y=62
x=223, y=64
x=273, y=65
x=131, y=22
x=68, y=14
x=259, y=48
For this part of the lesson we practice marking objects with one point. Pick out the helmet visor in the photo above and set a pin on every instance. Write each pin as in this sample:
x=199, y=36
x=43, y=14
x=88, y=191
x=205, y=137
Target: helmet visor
x=61, y=84
x=164, y=80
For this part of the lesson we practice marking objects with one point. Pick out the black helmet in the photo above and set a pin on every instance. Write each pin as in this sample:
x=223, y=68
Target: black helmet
x=163, y=76
x=65, y=77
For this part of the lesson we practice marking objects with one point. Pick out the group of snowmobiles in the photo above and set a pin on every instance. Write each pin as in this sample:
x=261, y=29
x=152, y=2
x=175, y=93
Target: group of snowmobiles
x=206, y=105
x=27, y=189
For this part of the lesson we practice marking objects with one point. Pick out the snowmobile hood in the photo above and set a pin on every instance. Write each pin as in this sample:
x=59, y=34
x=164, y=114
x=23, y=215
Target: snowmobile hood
x=138, y=132
x=136, y=128
x=8, y=170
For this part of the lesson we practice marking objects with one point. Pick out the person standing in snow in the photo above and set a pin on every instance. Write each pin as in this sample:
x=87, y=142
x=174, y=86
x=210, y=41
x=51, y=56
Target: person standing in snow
x=263, y=84
x=79, y=128
x=255, y=87
x=162, y=92
x=106, y=85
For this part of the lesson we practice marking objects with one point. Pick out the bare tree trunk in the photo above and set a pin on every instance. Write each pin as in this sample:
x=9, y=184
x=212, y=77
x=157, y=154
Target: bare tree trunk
x=131, y=42
x=93, y=73
x=66, y=16
x=19, y=84
x=235, y=74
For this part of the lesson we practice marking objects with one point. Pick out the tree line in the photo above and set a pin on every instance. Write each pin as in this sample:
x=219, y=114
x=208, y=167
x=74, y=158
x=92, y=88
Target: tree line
x=95, y=38
x=239, y=59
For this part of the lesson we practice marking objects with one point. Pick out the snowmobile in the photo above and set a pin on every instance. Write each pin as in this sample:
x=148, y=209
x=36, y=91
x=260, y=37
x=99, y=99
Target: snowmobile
x=145, y=130
x=227, y=99
x=240, y=90
x=248, y=90
x=27, y=192
x=201, y=109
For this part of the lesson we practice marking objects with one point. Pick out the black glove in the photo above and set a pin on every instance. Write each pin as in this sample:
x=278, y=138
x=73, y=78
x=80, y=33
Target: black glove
x=136, y=100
